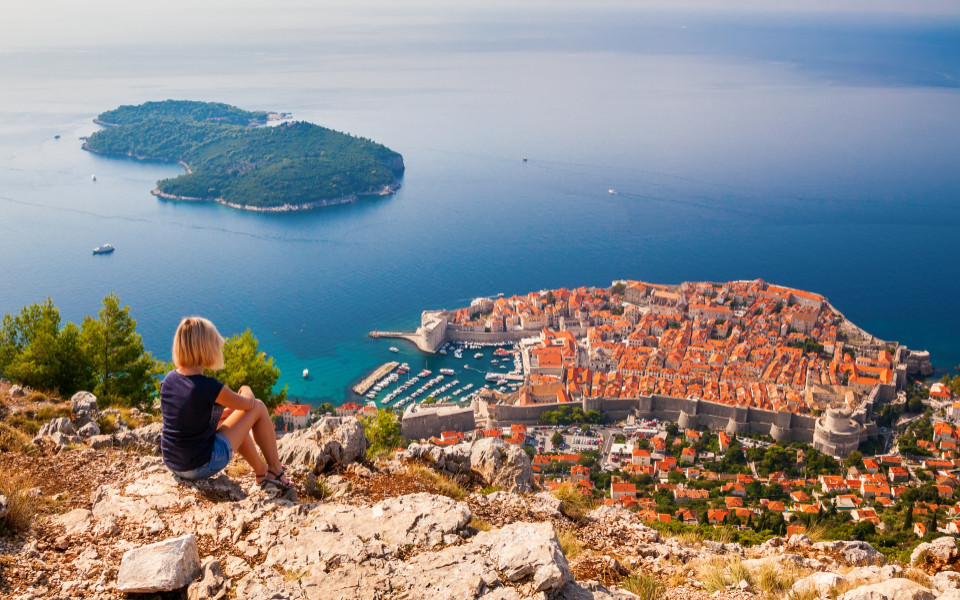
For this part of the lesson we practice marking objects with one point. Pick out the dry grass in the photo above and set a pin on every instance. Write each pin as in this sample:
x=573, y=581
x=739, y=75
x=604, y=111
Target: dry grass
x=646, y=587
x=807, y=593
x=480, y=525
x=918, y=576
x=572, y=503
x=444, y=484
x=22, y=499
x=46, y=412
x=107, y=424
x=774, y=580
x=691, y=538
x=816, y=533
x=713, y=575
x=739, y=573
x=570, y=543
x=14, y=440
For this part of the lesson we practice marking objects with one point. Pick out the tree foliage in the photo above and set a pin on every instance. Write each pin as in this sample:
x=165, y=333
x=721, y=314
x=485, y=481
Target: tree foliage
x=293, y=163
x=565, y=415
x=245, y=364
x=104, y=355
x=383, y=431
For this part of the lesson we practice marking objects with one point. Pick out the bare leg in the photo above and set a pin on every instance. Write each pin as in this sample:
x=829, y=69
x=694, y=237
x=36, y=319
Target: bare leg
x=238, y=426
x=248, y=449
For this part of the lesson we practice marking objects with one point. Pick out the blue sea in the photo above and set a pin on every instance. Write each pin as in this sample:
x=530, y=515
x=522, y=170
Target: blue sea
x=818, y=151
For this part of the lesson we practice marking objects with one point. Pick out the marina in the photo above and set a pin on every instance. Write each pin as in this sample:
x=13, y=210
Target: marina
x=368, y=381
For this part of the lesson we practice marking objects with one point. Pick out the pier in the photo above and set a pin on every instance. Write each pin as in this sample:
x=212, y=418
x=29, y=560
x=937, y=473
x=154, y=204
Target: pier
x=368, y=381
x=413, y=338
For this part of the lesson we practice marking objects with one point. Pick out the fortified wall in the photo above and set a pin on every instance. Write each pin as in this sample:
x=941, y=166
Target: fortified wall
x=837, y=432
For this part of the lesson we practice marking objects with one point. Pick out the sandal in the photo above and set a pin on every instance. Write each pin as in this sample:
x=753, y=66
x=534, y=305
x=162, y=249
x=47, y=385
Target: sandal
x=277, y=479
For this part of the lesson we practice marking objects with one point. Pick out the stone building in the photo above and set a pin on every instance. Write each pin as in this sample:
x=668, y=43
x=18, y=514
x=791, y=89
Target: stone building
x=421, y=422
x=836, y=433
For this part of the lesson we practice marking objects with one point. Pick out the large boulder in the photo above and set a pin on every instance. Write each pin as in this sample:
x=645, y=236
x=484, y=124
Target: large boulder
x=862, y=553
x=943, y=549
x=501, y=464
x=168, y=565
x=83, y=405
x=891, y=589
x=527, y=552
x=821, y=583
x=325, y=445
x=60, y=432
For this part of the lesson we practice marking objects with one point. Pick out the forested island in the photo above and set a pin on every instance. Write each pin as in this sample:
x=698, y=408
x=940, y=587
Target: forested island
x=230, y=158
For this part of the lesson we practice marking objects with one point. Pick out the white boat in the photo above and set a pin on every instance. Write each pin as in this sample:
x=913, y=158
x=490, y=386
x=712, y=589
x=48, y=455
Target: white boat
x=478, y=355
x=104, y=249
x=394, y=349
x=93, y=178
x=306, y=373
x=447, y=371
x=611, y=192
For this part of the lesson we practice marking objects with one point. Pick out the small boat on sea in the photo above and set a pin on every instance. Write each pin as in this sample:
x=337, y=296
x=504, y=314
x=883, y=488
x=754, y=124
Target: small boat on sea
x=394, y=349
x=104, y=249
x=93, y=178
x=478, y=355
x=612, y=192
x=447, y=371
x=306, y=373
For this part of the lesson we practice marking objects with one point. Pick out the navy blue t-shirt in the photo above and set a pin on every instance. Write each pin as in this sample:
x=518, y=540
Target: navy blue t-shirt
x=190, y=416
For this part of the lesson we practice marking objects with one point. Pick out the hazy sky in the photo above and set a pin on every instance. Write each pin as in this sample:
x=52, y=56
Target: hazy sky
x=67, y=23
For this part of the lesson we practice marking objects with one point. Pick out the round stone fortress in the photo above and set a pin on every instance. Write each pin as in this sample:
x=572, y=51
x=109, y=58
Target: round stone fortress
x=836, y=433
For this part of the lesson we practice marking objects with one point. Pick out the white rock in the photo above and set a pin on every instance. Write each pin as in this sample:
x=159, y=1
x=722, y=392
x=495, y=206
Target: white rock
x=821, y=582
x=89, y=430
x=528, y=550
x=891, y=589
x=75, y=522
x=943, y=548
x=328, y=443
x=168, y=565
x=946, y=580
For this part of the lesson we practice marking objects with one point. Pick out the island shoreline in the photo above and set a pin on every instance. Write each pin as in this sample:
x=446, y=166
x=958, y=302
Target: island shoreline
x=387, y=190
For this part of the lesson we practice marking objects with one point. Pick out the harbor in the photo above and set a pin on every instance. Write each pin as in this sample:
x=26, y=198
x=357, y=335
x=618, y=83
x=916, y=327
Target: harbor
x=463, y=369
x=368, y=381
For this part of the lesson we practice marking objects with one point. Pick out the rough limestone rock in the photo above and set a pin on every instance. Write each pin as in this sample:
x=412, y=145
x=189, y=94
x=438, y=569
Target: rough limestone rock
x=950, y=594
x=17, y=392
x=525, y=551
x=943, y=548
x=498, y=463
x=501, y=464
x=820, y=582
x=862, y=553
x=161, y=567
x=75, y=522
x=59, y=425
x=328, y=443
x=946, y=580
x=891, y=589
x=143, y=439
x=89, y=430
x=213, y=585
x=4, y=507
x=83, y=405
x=798, y=539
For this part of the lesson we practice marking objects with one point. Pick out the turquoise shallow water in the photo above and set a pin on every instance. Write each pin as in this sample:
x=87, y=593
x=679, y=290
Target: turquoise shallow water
x=819, y=154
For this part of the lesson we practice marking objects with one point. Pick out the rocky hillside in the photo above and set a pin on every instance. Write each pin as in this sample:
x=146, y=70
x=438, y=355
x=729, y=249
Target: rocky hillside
x=112, y=522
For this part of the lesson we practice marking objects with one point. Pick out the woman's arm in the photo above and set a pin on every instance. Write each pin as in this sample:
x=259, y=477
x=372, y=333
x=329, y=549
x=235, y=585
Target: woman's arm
x=231, y=399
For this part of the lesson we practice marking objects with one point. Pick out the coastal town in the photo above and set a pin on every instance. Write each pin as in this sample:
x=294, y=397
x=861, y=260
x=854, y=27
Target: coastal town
x=741, y=403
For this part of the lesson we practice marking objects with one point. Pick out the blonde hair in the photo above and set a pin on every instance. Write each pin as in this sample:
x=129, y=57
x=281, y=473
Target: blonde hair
x=197, y=343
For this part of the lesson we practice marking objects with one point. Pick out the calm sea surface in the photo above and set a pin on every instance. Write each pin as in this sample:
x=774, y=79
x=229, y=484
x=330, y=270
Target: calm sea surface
x=816, y=153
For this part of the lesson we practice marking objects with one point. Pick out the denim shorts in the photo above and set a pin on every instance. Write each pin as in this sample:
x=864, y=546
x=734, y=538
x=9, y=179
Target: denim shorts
x=219, y=458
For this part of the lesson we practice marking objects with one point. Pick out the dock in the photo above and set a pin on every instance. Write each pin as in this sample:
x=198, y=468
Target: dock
x=379, y=373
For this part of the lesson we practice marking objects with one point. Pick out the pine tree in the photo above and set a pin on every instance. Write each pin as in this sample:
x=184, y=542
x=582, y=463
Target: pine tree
x=122, y=372
x=908, y=520
x=245, y=364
